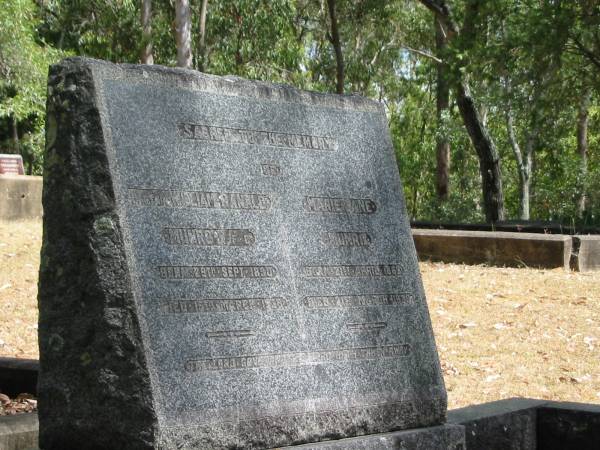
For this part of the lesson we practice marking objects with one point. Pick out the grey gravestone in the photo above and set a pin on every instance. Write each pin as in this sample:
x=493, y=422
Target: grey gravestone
x=226, y=264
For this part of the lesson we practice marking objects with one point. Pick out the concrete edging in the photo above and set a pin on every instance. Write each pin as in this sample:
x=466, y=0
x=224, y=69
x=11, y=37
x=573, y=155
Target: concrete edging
x=547, y=251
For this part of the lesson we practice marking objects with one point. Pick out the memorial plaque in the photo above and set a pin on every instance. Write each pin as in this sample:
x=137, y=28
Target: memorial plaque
x=232, y=259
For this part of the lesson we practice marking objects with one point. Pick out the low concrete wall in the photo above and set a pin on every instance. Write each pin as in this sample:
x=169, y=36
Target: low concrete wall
x=588, y=253
x=20, y=197
x=494, y=248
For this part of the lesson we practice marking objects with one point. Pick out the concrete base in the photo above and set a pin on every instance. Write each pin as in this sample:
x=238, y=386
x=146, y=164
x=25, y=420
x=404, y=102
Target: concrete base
x=20, y=197
x=513, y=424
x=19, y=432
x=443, y=437
x=526, y=424
x=494, y=248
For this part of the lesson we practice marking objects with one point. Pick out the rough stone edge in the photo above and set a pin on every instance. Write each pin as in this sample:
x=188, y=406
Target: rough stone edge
x=228, y=85
x=19, y=432
x=84, y=276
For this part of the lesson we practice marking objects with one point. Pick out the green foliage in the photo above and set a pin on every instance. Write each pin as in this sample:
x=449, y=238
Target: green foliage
x=24, y=63
x=530, y=58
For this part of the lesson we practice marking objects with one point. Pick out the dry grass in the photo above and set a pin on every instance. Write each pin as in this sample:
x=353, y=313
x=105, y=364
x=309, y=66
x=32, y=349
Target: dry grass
x=500, y=332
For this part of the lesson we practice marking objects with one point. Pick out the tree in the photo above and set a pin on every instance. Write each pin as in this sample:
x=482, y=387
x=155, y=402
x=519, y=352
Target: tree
x=489, y=160
x=146, y=19
x=183, y=33
x=202, y=37
x=442, y=106
x=334, y=38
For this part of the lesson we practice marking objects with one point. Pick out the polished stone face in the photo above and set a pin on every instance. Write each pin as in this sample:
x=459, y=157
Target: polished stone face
x=271, y=260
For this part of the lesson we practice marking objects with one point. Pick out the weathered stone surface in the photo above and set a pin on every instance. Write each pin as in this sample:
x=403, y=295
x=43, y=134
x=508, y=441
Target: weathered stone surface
x=231, y=260
x=494, y=248
x=445, y=437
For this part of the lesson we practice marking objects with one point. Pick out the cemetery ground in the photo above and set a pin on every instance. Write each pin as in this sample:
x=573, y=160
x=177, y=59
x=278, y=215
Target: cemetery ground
x=500, y=332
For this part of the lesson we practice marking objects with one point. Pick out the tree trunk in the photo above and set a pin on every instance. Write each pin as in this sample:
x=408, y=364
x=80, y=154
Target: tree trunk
x=582, y=149
x=15, y=136
x=489, y=160
x=202, y=38
x=442, y=105
x=523, y=166
x=183, y=34
x=146, y=18
x=334, y=38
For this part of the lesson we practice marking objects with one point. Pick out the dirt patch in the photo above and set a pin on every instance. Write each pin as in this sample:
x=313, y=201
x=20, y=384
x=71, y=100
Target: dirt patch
x=500, y=332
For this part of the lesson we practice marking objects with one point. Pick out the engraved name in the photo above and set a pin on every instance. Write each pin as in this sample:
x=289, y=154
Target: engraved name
x=208, y=237
x=229, y=334
x=223, y=305
x=365, y=326
x=197, y=199
x=340, y=205
x=201, y=272
x=356, y=301
x=296, y=358
x=346, y=239
x=255, y=137
x=350, y=271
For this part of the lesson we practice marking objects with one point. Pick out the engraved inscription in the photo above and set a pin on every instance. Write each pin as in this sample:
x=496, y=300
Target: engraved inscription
x=197, y=199
x=201, y=272
x=296, y=358
x=271, y=170
x=357, y=301
x=255, y=137
x=208, y=237
x=229, y=334
x=223, y=305
x=340, y=205
x=350, y=271
x=365, y=326
x=346, y=239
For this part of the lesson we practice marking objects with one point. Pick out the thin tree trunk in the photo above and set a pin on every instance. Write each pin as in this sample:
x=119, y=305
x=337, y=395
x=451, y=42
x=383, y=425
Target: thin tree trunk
x=15, y=136
x=334, y=37
x=183, y=34
x=442, y=105
x=582, y=149
x=489, y=160
x=202, y=38
x=523, y=166
x=146, y=18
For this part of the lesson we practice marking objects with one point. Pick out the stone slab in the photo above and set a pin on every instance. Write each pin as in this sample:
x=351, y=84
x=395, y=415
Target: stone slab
x=20, y=197
x=18, y=376
x=588, y=253
x=494, y=248
x=19, y=432
x=231, y=259
x=445, y=437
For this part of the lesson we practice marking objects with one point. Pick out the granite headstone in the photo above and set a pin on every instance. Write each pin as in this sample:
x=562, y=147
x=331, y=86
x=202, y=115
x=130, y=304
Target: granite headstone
x=226, y=264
